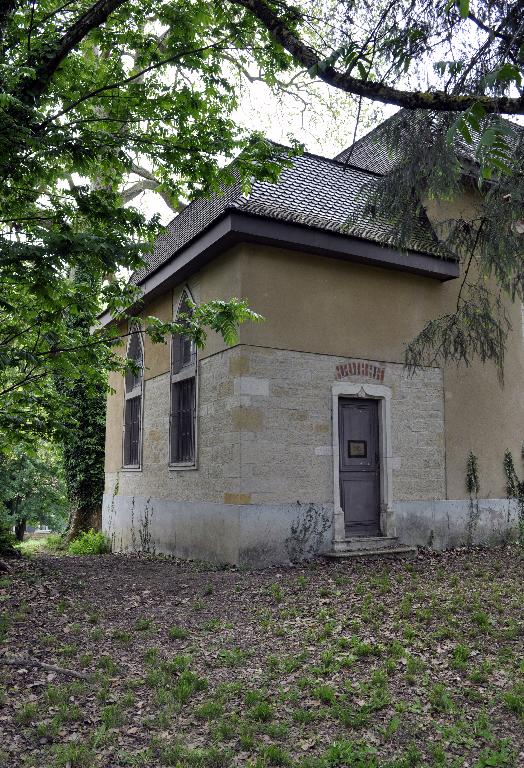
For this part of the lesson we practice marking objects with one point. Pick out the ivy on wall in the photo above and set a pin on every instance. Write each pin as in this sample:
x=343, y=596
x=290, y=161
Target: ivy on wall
x=515, y=491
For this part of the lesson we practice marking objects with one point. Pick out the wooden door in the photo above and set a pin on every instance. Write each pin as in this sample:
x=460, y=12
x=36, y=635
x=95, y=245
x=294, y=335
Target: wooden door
x=359, y=466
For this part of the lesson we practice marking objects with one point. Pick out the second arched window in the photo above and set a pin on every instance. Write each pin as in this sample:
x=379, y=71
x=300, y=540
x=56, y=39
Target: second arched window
x=182, y=431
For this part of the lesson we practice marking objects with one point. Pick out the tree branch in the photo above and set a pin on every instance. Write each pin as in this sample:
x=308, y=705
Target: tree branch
x=12, y=662
x=131, y=78
x=493, y=32
x=55, y=12
x=93, y=18
x=428, y=100
x=137, y=188
x=141, y=171
x=31, y=22
x=175, y=205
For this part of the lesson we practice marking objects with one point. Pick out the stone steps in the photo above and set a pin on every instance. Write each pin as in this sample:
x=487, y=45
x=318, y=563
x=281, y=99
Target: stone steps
x=394, y=552
x=370, y=546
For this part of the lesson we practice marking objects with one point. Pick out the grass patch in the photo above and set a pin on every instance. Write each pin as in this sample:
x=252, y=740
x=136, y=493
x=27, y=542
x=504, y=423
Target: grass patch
x=341, y=666
x=263, y=712
x=30, y=547
x=90, y=543
x=209, y=710
x=27, y=713
x=73, y=756
x=514, y=699
x=177, y=633
x=143, y=623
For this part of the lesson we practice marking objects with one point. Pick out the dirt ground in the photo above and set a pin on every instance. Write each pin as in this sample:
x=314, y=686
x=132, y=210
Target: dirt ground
x=369, y=664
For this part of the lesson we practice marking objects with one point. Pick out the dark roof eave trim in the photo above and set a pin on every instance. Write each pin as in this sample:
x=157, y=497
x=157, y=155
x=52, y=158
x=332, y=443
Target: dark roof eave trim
x=237, y=227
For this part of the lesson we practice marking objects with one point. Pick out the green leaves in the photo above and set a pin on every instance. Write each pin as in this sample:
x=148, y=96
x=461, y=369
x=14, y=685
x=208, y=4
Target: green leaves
x=223, y=317
x=494, y=150
x=491, y=139
x=32, y=486
x=479, y=327
x=461, y=5
x=329, y=61
x=68, y=147
x=506, y=74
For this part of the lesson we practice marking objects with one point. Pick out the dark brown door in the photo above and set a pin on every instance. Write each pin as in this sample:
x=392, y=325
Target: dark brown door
x=359, y=466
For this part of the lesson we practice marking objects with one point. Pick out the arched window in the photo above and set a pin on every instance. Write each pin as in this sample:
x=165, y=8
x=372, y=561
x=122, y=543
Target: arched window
x=133, y=400
x=182, y=432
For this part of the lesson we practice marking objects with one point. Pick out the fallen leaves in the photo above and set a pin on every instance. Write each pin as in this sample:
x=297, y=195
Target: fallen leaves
x=371, y=643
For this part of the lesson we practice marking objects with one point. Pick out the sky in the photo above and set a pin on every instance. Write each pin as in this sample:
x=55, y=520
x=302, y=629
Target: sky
x=321, y=118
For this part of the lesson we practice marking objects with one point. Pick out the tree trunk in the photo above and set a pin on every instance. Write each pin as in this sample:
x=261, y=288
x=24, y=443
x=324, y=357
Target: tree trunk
x=20, y=526
x=84, y=451
x=82, y=518
x=84, y=441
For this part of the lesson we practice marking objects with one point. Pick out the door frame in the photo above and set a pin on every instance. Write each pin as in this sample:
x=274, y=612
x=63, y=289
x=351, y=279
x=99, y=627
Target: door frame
x=383, y=395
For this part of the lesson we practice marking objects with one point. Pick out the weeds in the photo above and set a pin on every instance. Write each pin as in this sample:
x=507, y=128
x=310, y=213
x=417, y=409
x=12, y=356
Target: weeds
x=177, y=633
x=262, y=712
x=90, y=543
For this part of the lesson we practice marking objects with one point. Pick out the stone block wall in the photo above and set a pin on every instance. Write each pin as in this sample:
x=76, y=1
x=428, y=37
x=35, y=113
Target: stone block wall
x=285, y=425
x=262, y=491
x=265, y=431
x=216, y=476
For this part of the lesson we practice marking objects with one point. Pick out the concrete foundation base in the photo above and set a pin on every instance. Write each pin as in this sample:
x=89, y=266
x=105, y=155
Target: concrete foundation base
x=249, y=535
x=446, y=524
x=258, y=535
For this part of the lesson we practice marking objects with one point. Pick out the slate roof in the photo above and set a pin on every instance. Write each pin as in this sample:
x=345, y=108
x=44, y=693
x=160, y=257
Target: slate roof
x=315, y=191
x=372, y=154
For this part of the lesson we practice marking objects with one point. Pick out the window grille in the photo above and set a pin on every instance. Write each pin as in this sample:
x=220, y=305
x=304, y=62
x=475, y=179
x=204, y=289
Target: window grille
x=182, y=437
x=133, y=401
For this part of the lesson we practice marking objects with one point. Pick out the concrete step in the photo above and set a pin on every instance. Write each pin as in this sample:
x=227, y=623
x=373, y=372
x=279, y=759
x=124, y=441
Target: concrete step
x=399, y=551
x=365, y=542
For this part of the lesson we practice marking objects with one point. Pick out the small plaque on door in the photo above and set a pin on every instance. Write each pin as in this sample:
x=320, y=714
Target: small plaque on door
x=357, y=449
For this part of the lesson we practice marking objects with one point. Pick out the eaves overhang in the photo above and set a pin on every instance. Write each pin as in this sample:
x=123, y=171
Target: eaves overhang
x=238, y=227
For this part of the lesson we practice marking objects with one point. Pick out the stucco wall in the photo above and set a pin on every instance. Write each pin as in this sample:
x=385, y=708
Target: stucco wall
x=456, y=523
x=486, y=417
x=322, y=305
x=249, y=535
x=219, y=280
x=328, y=306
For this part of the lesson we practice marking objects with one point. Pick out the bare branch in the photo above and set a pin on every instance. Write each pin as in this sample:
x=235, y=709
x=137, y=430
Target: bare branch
x=137, y=188
x=141, y=171
x=173, y=203
x=12, y=662
x=427, y=100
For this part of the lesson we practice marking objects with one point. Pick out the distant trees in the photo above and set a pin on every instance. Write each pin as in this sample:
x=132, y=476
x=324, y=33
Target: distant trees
x=32, y=489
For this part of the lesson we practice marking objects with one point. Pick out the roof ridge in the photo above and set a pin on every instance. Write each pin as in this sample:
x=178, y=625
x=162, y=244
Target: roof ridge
x=369, y=133
x=340, y=163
